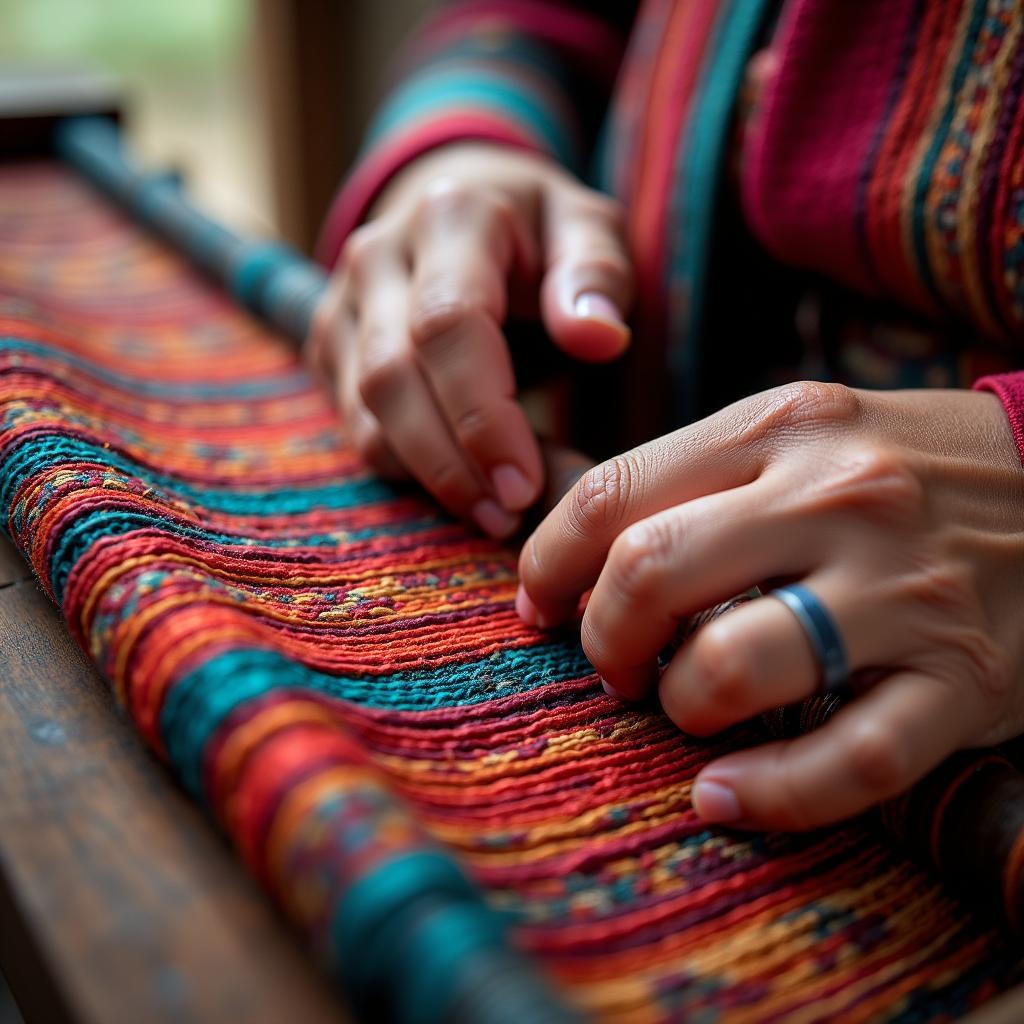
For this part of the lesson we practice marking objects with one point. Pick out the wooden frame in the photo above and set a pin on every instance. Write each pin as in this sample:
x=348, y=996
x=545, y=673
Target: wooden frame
x=119, y=902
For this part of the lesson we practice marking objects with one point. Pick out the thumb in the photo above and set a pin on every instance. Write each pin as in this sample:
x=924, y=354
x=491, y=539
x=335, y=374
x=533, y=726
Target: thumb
x=588, y=283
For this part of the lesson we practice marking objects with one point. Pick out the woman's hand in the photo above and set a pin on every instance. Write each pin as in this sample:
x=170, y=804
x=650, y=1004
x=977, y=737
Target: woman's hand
x=902, y=511
x=410, y=331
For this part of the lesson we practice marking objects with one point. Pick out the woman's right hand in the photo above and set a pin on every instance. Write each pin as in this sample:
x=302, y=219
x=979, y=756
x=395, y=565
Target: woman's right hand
x=410, y=331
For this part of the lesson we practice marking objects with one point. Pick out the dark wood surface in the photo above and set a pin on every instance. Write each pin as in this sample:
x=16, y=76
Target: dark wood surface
x=13, y=569
x=119, y=901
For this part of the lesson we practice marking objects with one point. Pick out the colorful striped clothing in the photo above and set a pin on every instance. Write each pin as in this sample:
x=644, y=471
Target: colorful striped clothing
x=884, y=153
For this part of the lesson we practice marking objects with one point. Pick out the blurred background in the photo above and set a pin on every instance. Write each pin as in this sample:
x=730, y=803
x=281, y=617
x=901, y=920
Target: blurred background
x=260, y=103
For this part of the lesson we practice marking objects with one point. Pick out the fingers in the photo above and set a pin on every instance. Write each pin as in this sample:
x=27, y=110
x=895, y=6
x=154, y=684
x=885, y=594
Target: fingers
x=757, y=657
x=435, y=357
x=737, y=666
x=564, y=556
x=873, y=749
x=367, y=437
x=321, y=345
x=330, y=351
x=394, y=389
x=563, y=468
x=588, y=288
x=676, y=563
x=433, y=378
x=464, y=247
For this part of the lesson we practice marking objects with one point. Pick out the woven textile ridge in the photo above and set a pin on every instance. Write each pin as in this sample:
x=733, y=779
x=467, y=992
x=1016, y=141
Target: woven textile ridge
x=335, y=670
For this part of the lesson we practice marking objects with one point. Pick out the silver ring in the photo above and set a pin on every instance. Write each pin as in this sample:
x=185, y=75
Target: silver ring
x=822, y=631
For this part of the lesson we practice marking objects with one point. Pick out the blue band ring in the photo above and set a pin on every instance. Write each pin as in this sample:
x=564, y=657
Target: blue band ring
x=820, y=627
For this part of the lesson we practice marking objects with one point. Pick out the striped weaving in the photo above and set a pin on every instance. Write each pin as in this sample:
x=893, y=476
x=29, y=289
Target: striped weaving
x=336, y=672
x=889, y=154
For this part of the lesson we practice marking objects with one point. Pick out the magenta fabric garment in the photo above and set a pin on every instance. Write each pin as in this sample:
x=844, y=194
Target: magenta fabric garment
x=1010, y=389
x=816, y=129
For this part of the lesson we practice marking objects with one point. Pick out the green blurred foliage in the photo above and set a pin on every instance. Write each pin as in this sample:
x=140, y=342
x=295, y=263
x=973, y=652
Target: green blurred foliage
x=123, y=35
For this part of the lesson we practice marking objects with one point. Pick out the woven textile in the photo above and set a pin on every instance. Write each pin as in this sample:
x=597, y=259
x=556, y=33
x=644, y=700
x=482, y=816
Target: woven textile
x=336, y=671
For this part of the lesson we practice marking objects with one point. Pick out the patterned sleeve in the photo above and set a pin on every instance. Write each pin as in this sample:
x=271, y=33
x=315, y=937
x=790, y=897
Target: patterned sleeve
x=1010, y=389
x=533, y=74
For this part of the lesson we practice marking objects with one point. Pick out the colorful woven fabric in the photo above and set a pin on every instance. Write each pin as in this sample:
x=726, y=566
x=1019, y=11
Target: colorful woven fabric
x=336, y=671
x=889, y=153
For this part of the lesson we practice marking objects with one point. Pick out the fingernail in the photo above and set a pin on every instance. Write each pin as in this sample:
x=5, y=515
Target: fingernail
x=525, y=608
x=493, y=519
x=715, y=802
x=595, y=306
x=514, y=490
x=610, y=690
x=529, y=612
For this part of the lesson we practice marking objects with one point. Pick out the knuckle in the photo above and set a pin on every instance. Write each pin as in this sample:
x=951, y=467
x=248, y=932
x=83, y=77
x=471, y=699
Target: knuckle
x=495, y=206
x=601, y=496
x=362, y=249
x=601, y=206
x=877, y=482
x=971, y=655
x=635, y=560
x=438, y=314
x=613, y=211
x=608, y=265
x=447, y=194
x=888, y=484
x=811, y=403
x=995, y=679
x=379, y=379
x=471, y=426
x=990, y=667
x=720, y=670
x=455, y=199
x=945, y=589
x=955, y=632
x=449, y=481
x=877, y=759
x=600, y=266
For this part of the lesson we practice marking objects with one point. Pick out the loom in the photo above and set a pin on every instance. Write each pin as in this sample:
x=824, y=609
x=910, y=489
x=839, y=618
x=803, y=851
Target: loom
x=459, y=822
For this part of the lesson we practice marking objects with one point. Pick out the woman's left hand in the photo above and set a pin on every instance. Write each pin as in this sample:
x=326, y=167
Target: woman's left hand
x=902, y=511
